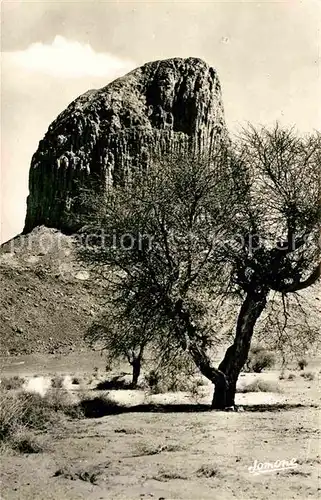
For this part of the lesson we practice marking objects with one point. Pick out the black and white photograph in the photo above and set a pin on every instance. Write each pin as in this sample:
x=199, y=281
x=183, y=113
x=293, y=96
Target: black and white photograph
x=160, y=252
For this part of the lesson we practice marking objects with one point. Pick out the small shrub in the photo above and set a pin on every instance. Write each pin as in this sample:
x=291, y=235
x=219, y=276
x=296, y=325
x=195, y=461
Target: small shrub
x=5, y=448
x=38, y=412
x=302, y=363
x=57, y=382
x=259, y=359
x=259, y=386
x=291, y=376
x=307, y=375
x=75, y=381
x=89, y=476
x=155, y=382
x=30, y=411
x=11, y=411
x=12, y=383
x=172, y=447
x=75, y=412
x=65, y=473
x=152, y=378
x=177, y=384
x=58, y=400
x=147, y=450
x=24, y=410
x=171, y=382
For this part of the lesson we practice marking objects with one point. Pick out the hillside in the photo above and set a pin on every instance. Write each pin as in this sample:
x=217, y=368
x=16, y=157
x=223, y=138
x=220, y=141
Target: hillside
x=47, y=301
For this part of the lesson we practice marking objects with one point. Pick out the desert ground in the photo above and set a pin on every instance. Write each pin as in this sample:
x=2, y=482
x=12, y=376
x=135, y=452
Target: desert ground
x=166, y=445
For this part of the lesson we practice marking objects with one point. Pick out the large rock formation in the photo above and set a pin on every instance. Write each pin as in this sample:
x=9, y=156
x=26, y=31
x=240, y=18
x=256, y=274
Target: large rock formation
x=165, y=106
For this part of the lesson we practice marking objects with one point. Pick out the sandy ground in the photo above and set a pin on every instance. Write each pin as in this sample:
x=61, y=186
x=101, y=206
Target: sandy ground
x=180, y=452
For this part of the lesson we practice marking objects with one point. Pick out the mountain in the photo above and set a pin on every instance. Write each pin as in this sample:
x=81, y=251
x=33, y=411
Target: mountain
x=166, y=106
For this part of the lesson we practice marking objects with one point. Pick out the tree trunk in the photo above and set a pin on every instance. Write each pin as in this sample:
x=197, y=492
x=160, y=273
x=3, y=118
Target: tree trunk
x=136, y=365
x=225, y=376
x=190, y=341
x=220, y=393
x=236, y=355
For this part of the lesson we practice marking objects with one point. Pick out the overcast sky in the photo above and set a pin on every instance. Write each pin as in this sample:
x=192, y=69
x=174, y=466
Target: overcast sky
x=267, y=55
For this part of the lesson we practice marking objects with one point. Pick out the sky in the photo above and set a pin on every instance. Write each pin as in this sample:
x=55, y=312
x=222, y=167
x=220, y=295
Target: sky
x=267, y=55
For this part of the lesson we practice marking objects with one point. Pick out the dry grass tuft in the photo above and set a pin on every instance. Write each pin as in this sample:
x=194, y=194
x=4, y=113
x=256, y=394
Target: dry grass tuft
x=25, y=441
x=165, y=476
x=127, y=431
x=57, y=382
x=207, y=471
x=146, y=449
x=89, y=476
x=12, y=383
x=22, y=412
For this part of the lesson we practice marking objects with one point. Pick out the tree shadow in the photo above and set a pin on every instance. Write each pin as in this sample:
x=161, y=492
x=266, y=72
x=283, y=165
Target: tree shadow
x=100, y=407
x=276, y=407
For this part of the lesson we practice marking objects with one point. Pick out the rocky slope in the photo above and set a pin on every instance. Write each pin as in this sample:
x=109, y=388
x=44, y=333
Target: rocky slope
x=47, y=301
x=104, y=135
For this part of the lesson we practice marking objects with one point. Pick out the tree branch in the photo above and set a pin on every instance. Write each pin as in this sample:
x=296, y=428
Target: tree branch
x=295, y=287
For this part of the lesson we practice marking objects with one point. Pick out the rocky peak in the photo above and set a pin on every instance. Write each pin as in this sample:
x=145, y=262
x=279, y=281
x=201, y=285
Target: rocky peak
x=173, y=105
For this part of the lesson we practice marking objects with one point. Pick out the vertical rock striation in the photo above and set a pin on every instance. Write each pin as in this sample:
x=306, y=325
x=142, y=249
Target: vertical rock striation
x=166, y=106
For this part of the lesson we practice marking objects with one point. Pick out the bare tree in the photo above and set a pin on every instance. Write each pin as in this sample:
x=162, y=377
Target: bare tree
x=157, y=240
x=279, y=230
x=122, y=338
x=241, y=223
